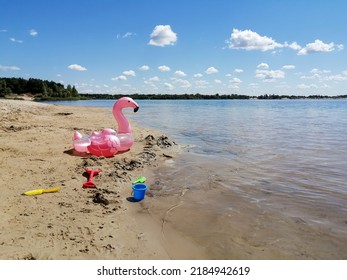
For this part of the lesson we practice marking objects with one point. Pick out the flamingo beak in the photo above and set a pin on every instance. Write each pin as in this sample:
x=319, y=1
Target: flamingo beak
x=136, y=109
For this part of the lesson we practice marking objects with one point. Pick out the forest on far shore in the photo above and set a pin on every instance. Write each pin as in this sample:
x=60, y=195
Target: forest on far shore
x=39, y=89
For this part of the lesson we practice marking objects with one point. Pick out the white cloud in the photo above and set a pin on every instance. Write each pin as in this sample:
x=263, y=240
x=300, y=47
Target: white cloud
x=338, y=77
x=201, y=83
x=120, y=78
x=288, y=67
x=263, y=66
x=9, y=68
x=144, y=68
x=33, y=32
x=16, y=41
x=162, y=35
x=126, y=35
x=319, y=46
x=235, y=81
x=169, y=86
x=249, y=40
x=217, y=81
x=197, y=75
x=182, y=83
x=211, y=70
x=154, y=79
x=77, y=67
x=269, y=75
x=164, y=68
x=237, y=70
x=129, y=73
x=295, y=46
x=304, y=86
x=180, y=73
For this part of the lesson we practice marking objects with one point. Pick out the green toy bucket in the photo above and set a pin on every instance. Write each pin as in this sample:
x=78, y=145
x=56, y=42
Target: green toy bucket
x=139, y=191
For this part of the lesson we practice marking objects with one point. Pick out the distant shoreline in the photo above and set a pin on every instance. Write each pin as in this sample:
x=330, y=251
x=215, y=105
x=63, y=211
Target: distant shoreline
x=85, y=96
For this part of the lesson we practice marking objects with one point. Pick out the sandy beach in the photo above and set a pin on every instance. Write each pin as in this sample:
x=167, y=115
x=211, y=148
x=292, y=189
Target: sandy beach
x=74, y=223
x=172, y=222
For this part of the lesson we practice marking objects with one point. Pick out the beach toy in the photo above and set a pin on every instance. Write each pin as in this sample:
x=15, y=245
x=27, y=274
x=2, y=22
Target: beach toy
x=89, y=183
x=141, y=179
x=41, y=191
x=139, y=191
x=108, y=142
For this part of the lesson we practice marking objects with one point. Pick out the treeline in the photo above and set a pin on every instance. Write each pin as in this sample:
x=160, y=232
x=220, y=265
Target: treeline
x=164, y=96
x=203, y=96
x=39, y=89
x=316, y=96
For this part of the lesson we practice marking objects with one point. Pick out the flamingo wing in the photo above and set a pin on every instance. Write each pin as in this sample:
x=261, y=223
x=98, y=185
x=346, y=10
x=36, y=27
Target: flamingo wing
x=107, y=146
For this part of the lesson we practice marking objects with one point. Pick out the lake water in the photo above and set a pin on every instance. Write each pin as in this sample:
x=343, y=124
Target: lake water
x=276, y=168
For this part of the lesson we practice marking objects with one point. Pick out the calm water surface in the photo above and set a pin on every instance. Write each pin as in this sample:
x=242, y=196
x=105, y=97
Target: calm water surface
x=287, y=156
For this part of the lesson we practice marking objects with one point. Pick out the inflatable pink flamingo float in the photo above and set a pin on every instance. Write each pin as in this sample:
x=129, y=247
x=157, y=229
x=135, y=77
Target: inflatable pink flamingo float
x=109, y=142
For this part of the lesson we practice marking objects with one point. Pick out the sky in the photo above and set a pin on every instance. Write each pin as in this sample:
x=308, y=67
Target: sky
x=252, y=47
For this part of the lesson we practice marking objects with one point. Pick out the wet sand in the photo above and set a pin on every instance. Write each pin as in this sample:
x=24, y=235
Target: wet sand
x=229, y=219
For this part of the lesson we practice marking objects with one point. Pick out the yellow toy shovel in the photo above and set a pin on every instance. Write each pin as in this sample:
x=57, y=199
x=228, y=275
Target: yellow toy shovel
x=41, y=191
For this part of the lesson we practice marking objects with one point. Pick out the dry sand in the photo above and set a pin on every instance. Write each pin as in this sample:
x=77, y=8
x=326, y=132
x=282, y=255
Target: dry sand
x=36, y=152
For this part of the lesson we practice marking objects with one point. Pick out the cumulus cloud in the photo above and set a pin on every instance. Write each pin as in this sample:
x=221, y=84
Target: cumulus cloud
x=269, y=75
x=129, y=73
x=235, y=81
x=120, y=78
x=295, y=46
x=237, y=70
x=319, y=46
x=9, y=68
x=263, y=66
x=180, y=73
x=197, y=75
x=250, y=40
x=211, y=70
x=154, y=79
x=201, y=83
x=144, y=68
x=217, y=81
x=305, y=86
x=288, y=67
x=77, y=67
x=16, y=41
x=182, y=83
x=169, y=86
x=33, y=32
x=162, y=36
x=164, y=68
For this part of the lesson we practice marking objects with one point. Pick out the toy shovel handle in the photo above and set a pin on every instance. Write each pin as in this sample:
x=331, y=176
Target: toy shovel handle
x=92, y=172
x=51, y=190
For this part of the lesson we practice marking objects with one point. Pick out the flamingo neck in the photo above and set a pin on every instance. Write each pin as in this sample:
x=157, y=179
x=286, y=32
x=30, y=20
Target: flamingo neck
x=123, y=123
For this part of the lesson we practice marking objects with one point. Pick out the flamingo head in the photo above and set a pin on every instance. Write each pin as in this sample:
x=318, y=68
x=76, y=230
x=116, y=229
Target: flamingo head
x=126, y=102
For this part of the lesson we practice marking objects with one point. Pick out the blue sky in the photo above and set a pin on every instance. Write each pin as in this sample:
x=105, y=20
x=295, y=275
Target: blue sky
x=204, y=46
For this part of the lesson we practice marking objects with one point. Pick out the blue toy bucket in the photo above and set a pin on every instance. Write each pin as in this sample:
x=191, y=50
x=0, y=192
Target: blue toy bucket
x=139, y=191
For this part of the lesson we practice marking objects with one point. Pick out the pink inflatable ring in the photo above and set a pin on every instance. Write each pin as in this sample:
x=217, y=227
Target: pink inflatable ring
x=109, y=142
